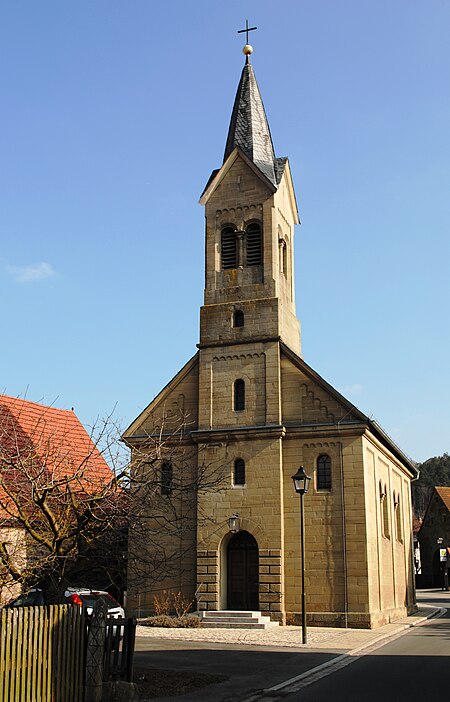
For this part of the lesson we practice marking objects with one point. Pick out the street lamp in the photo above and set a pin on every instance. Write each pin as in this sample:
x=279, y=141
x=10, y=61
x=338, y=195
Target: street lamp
x=301, y=484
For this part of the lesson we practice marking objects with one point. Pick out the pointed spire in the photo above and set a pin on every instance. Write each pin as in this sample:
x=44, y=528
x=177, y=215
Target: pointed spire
x=249, y=128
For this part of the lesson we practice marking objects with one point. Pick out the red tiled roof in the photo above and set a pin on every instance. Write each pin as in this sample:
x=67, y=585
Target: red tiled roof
x=51, y=438
x=444, y=494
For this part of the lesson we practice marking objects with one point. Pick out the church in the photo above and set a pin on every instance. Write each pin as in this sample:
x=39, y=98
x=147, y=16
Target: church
x=248, y=404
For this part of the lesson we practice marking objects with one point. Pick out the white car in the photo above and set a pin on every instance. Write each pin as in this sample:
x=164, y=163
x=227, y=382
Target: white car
x=87, y=598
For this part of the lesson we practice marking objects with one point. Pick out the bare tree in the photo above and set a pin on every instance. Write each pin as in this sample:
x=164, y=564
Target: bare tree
x=65, y=516
x=56, y=492
x=169, y=473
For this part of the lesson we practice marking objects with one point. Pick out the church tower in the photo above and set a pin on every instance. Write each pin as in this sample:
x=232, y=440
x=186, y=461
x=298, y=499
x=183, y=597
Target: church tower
x=252, y=411
x=249, y=309
x=249, y=301
x=250, y=211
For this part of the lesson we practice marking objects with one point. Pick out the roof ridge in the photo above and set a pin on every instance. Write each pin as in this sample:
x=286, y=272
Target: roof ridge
x=24, y=401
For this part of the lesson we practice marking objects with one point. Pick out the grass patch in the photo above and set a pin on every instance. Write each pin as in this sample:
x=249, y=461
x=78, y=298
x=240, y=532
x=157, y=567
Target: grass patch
x=154, y=682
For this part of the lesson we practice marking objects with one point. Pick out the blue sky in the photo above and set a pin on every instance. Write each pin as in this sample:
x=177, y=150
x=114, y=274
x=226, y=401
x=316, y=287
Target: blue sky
x=114, y=113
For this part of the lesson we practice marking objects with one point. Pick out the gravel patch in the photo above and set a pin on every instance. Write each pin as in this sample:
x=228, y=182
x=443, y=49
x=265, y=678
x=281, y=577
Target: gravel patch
x=286, y=636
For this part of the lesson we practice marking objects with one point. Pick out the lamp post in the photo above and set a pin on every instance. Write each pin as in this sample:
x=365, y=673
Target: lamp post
x=301, y=483
x=443, y=562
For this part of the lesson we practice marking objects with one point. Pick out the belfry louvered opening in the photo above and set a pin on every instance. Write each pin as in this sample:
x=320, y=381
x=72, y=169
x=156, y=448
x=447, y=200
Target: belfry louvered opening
x=229, y=250
x=254, y=244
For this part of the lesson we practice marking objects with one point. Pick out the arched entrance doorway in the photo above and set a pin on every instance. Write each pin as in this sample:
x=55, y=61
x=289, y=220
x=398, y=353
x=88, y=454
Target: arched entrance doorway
x=242, y=572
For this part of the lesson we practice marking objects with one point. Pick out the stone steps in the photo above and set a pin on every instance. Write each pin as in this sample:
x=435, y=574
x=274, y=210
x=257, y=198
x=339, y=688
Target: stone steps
x=230, y=619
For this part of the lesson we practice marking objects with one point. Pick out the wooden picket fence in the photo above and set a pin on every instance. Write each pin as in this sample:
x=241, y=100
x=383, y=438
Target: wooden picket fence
x=42, y=654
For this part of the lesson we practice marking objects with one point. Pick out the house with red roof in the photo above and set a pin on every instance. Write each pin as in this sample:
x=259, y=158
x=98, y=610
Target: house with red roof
x=53, y=479
x=434, y=539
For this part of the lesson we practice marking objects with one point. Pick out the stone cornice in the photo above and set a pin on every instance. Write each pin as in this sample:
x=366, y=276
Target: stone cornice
x=306, y=431
x=168, y=439
x=270, y=431
x=237, y=342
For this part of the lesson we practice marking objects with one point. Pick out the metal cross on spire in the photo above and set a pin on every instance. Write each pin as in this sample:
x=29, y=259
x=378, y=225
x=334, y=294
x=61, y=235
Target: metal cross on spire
x=246, y=30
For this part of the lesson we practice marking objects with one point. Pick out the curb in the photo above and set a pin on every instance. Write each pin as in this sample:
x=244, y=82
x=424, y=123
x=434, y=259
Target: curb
x=320, y=671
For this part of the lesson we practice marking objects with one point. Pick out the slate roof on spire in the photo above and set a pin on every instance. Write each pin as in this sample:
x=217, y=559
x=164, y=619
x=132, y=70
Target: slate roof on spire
x=249, y=128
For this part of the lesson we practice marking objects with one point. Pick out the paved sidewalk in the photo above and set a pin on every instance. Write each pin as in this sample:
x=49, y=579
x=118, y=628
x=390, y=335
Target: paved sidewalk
x=319, y=638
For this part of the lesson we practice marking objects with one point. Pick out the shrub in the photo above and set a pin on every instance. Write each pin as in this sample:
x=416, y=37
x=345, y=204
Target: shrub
x=181, y=604
x=169, y=602
x=189, y=621
x=164, y=620
x=162, y=603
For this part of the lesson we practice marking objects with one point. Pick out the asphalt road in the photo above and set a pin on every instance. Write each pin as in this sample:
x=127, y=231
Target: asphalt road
x=248, y=668
x=414, y=667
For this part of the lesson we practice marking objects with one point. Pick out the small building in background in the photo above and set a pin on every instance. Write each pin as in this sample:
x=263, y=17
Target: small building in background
x=434, y=540
x=49, y=467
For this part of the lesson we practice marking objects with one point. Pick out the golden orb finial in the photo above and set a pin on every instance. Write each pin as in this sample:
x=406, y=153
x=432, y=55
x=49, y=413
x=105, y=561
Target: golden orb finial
x=247, y=48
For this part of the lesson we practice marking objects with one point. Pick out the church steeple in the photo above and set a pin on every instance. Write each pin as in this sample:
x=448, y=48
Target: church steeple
x=251, y=212
x=249, y=128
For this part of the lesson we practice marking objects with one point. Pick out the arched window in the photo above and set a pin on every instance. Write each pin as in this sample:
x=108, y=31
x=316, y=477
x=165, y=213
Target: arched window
x=166, y=478
x=398, y=518
x=228, y=247
x=238, y=318
x=324, y=472
x=253, y=241
x=283, y=256
x=384, y=510
x=239, y=472
x=239, y=395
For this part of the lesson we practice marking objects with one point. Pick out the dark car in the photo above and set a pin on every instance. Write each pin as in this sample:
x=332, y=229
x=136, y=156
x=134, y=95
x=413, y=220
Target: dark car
x=28, y=599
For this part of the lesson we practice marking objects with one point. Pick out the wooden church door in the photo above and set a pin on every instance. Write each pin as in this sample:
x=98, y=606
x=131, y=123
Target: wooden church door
x=242, y=572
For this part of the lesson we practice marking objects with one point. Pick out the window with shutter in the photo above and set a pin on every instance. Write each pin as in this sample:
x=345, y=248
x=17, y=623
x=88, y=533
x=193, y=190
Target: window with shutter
x=254, y=245
x=229, y=249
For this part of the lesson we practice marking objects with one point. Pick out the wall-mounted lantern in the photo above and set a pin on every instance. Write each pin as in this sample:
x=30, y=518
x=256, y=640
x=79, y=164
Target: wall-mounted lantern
x=233, y=523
